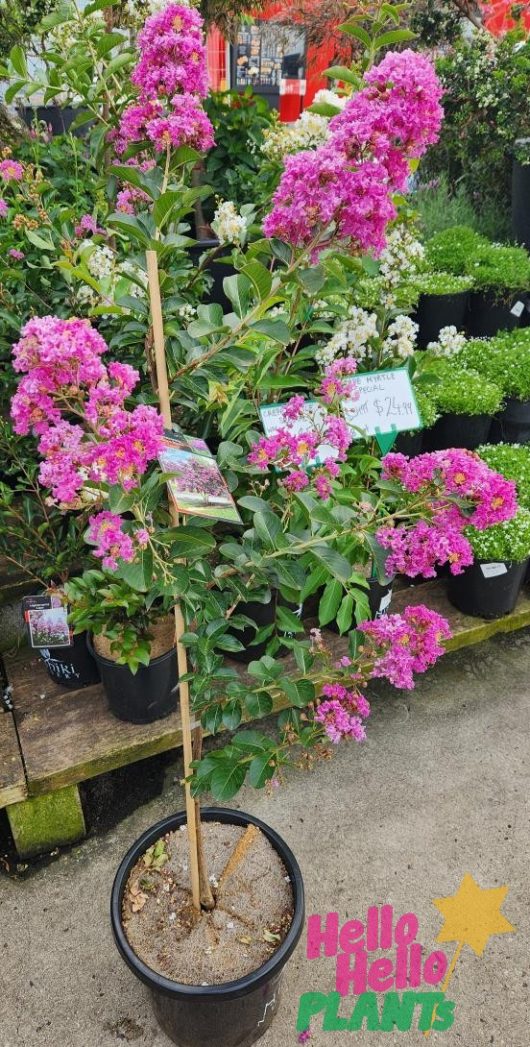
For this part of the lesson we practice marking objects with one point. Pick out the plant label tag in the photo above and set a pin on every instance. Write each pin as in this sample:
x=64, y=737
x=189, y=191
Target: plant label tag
x=384, y=605
x=46, y=618
x=383, y=402
x=195, y=483
x=517, y=309
x=493, y=570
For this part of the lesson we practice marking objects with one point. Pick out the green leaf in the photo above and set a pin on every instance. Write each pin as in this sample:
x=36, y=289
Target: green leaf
x=299, y=692
x=345, y=615
x=39, y=241
x=288, y=621
x=357, y=31
x=237, y=290
x=337, y=564
x=13, y=90
x=259, y=277
x=18, y=61
x=227, y=780
x=212, y=719
x=268, y=527
x=325, y=109
x=130, y=225
x=259, y=704
x=164, y=207
x=341, y=72
x=275, y=329
x=261, y=770
x=190, y=541
x=232, y=715
x=330, y=602
x=312, y=280
x=395, y=36
x=138, y=575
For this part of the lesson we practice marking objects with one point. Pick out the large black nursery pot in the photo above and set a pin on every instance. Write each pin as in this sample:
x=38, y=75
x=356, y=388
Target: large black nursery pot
x=58, y=118
x=487, y=315
x=262, y=614
x=218, y=270
x=142, y=697
x=379, y=599
x=459, y=430
x=71, y=667
x=512, y=424
x=233, y=1014
x=487, y=590
x=521, y=203
x=410, y=444
x=436, y=311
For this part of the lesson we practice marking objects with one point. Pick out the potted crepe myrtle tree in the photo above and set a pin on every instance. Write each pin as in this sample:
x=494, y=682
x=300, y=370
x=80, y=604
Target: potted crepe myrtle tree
x=98, y=442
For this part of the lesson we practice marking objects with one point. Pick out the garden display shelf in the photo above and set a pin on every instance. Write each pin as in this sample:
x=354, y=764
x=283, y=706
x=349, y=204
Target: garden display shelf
x=56, y=739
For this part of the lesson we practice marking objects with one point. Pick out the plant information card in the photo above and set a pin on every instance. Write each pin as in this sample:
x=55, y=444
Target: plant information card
x=386, y=404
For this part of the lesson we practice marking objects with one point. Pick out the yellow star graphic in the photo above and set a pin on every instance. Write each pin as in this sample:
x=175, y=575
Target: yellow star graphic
x=472, y=915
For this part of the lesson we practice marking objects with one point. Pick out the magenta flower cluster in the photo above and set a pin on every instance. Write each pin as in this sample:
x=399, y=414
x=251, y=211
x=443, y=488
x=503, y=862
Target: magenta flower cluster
x=399, y=645
x=87, y=225
x=11, y=171
x=64, y=378
x=346, y=185
x=112, y=543
x=459, y=489
x=341, y=713
x=171, y=77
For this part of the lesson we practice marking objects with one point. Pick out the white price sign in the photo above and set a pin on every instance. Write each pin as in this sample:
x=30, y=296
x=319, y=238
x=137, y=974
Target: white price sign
x=386, y=404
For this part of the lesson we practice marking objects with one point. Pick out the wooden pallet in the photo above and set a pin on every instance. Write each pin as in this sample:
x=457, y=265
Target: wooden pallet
x=59, y=738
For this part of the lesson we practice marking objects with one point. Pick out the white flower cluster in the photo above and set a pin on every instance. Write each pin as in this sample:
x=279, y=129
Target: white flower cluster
x=187, y=313
x=402, y=334
x=401, y=257
x=326, y=97
x=351, y=338
x=100, y=260
x=308, y=132
x=229, y=226
x=450, y=342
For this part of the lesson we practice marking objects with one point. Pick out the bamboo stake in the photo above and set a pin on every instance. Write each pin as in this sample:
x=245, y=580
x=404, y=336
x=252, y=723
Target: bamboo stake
x=182, y=659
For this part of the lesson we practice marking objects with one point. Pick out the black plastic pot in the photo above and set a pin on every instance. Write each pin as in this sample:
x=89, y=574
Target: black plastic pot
x=379, y=598
x=71, y=667
x=521, y=203
x=234, y=1014
x=218, y=270
x=512, y=424
x=142, y=697
x=58, y=118
x=487, y=315
x=487, y=590
x=262, y=614
x=410, y=444
x=436, y=311
x=459, y=430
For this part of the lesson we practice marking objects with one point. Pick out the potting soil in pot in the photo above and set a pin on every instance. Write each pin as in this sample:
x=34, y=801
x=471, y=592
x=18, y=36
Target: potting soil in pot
x=253, y=912
x=162, y=632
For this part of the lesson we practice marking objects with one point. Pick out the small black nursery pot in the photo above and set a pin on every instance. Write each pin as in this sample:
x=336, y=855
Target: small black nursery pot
x=459, y=430
x=142, y=697
x=512, y=424
x=487, y=590
x=487, y=315
x=71, y=667
x=233, y=1014
x=436, y=311
x=410, y=444
x=218, y=270
x=521, y=203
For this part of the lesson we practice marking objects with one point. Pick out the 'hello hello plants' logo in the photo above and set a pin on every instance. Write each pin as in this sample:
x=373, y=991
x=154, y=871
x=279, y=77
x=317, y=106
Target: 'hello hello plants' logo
x=405, y=988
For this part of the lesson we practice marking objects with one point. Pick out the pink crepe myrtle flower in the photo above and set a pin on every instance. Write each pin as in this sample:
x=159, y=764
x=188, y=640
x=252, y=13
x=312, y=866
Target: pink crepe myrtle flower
x=185, y=124
x=11, y=170
x=4, y=209
x=172, y=54
x=16, y=254
x=88, y=224
x=129, y=199
x=293, y=408
x=106, y=532
x=400, y=645
x=341, y=713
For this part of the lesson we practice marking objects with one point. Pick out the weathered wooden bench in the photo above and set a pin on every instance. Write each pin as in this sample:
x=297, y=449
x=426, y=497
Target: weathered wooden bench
x=55, y=739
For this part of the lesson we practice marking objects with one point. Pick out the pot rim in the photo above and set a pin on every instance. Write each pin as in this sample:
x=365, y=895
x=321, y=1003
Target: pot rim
x=226, y=990
x=109, y=661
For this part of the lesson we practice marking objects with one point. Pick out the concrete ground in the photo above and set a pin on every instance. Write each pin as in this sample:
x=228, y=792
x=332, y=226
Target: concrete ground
x=439, y=789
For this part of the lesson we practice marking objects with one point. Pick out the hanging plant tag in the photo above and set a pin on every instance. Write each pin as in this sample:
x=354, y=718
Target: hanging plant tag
x=46, y=619
x=196, y=485
x=493, y=570
x=517, y=309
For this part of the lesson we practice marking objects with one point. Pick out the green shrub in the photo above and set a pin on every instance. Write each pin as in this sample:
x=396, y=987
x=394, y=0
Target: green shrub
x=450, y=250
x=441, y=283
x=513, y=462
x=504, y=360
x=463, y=391
x=499, y=269
x=508, y=541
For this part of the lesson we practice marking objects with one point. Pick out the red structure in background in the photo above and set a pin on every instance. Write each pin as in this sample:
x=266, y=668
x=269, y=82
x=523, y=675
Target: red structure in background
x=295, y=95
